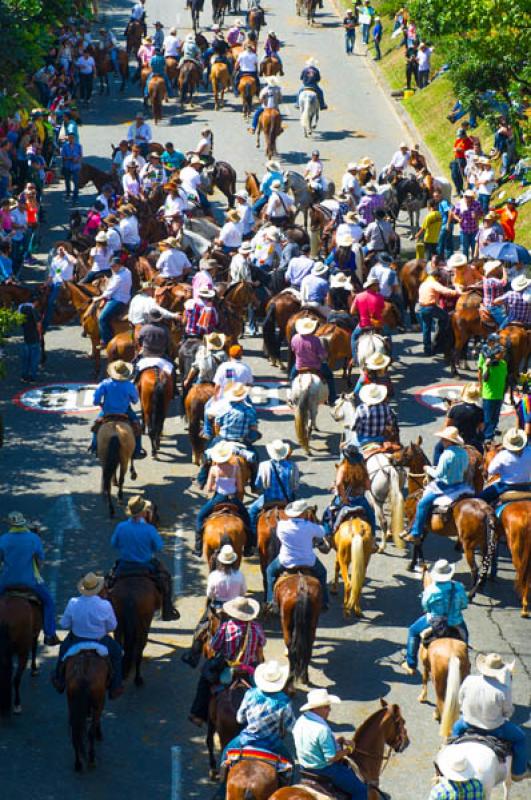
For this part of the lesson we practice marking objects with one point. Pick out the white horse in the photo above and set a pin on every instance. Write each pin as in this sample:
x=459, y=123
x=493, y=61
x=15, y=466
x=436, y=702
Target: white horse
x=194, y=242
x=307, y=392
x=368, y=344
x=309, y=107
x=385, y=488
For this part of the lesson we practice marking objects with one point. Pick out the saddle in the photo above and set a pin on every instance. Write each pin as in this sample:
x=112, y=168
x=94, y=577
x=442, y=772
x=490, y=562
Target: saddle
x=342, y=320
x=374, y=448
x=500, y=747
x=441, y=630
x=444, y=504
x=348, y=512
x=98, y=422
x=320, y=786
x=514, y=494
x=224, y=508
x=249, y=753
x=289, y=572
x=24, y=593
x=486, y=319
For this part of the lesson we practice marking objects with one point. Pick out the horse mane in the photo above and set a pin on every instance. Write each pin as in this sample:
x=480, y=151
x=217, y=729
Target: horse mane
x=369, y=722
x=230, y=289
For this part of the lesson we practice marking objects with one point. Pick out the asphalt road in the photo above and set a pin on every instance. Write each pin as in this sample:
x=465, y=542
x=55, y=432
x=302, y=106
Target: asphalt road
x=50, y=475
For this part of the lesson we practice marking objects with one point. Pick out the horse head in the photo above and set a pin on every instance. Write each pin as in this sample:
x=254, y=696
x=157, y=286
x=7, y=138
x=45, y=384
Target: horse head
x=395, y=726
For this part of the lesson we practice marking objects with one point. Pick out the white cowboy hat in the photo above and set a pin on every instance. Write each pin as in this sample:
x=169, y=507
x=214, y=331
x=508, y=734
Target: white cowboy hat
x=227, y=555
x=490, y=266
x=120, y=371
x=514, y=440
x=345, y=241
x=243, y=194
x=273, y=234
x=273, y=166
x=311, y=62
x=136, y=505
x=245, y=248
x=373, y=393
x=341, y=281
x=206, y=293
x=492, y=665
x=471, y=394
x=454, y=766
x=319, y=268
x=243, y=608
x=377, y=361
x=371, y=282
x=351, y=166
x=90, y=584
x=215, y=340
x=236, y=392
x=221, y=452
x=101, y=237
x=271, y=676
x=173, y=31
x=450, y=434
x=276, y=184
x=442, y=571
x=306, y=325
x=520, y=283
x=297, y=508
x=16, y=519
x=470, y=193
x=171, y=242
x=403, y=145
x=195, y=161
x=278, y=449
x=457, y=260
x=317, y=698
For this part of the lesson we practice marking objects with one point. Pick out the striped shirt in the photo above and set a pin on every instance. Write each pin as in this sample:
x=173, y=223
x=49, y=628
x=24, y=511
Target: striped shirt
x=230, y=637
x=199, y=318
x=518, y=308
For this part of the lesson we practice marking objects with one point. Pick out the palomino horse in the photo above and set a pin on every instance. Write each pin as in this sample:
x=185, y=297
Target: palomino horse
x=188, y=81
x=135, y=598
x=299, y=598
x=307, y=392
x=354, y=545
x=270, y=123
x=219, y=75
x=86, y=677
x=247, y=90
x=157, y=94
x=223, y=526
x=116, y=445
x=155, y=388
x=194, y=408
x=20, y=625
x=309, y=107
x=384, y=728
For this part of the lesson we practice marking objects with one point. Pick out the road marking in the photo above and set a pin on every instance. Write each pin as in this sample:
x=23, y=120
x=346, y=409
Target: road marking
x=58, y=398
x=434, y=397
x=178, y=547
x=176, y=776
x=61, y=517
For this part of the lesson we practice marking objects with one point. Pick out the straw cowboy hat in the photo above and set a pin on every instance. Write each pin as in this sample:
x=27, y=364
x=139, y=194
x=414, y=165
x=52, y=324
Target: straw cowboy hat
x=227, y=555
x=345, y=241
x=471, y=394
x=490, y=266
x=206, y=294
x=492, y=665
x=515, y=440
x=450, y=434
x=378, y=361
x=520, y=283
x=101, y=238
x=195, y=161
x=297, y=508
x=490, y=217
x=236, y=392
x=273, y=166
x=90, y=584
x=221, y=453
x=233, y=216
x=306, y=325
x=243, y=608
x=341, y=281
x=278, y=449
x=170, y=242
x=442, y=571
x=136, y=505
x=457, y=260
x=311, y=62
x=16, y=519
x=271, y=676
x=147, y=40
x=318, y=698
x=120, y=370
x=245, y=248
x=352, y=167
x=208, y=264
x=470, y=193
x=373, y=393
x=215, y=341
x=351, y=216
x=454, y=766
x=319, y=268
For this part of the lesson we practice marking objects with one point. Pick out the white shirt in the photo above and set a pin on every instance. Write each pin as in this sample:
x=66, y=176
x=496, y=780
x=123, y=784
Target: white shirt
x=296, y=537
x=278, y=204
x=19, y=218
x=119, y=286
x=89, y=617
x=131, y=185
x=240, y=269
x=350, y=185
x=129, y=230
x=233, y=370
x=204, y=148
x=176, y=205
x=139, y=133
x=423, y=58
x=400, y=160
x=114, y=240
x=245, y=213
x=172, y=263
x=247, y=61
x=141, y=305
x=225, y=586
x=86, y=66
x=231, y=234
x=314, y=169
x=191, y=179
x=101, y=258
x=62, y=269
x=172, y=46
x=350, y=228
x=138, y=159
x=485, y=702
x=485, y=181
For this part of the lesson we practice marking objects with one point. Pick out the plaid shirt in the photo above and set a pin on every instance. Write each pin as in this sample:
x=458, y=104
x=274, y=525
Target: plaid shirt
x=229, y=638
x=236, y=422
x=371, y=421
x=266, y=717
x=518, y=308
x=492, y=288
x=457, y=790
x=200, y=318
x=469, y=216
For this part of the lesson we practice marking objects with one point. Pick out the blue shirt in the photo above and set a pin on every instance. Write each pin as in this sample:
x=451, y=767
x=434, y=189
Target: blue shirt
x=6, y=267
x=266, y=717
x=265, y=186
x=70, y=151
x=173, y=160
x=18, y=549
x=445, y=600
x=136, y=541
x=115, y=396
x=298, y=268
x=314, y=741
x=315, y=288
x=235, y=423
x=158, y=65
x=71, y=129
x=444, y=209
x=452, y=465
x=284, y=471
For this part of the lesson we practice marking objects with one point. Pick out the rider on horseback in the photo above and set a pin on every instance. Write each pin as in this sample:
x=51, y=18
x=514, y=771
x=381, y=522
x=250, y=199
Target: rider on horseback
x=272, y=49
x=109, y=42
x=512, y=466
x=273, y=173
x=369, y=307
x=191, y=51
x=345, y=498
x=115, y=394
x=209, y=356
x=310, y=77
x=138, y=14
x=278, y=479
x=246, y=64
x=313, y=174
x=270, y=97
x=374, y=418
x=311, y=355
x=22, y=553
x=158, y=68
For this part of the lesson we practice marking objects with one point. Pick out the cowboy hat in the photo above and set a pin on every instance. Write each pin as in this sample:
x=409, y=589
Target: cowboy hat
x=243, y=194
x=377, y=361
x=341, y=281
x=490, y=217
x=243, y=608
x=16, y=519
x=403, y=146
x=365, y=162
x=273, y=234
x=245, y=248
x=351, y=216
x=158, y=24
x=515, y=440
x=236, y=391
x=373, y=393
x=450, y=434
x=319, y=268
x=271, y=676
x=311, y=62
x=371, y=282
x=90, y=584
x=454, y=766
x=147, y=40
x=490, y=266
x=297, y=508
x=457, y=260
x=442, y=571
x=276, y=184
x=470, y=193
x=352, y=167
x=206, y=294
x=221, y=452
x=195, y=161
x=306, y=325
x=273, y=166
x=146, y=285
x=136, y=505
x=171, y=242
x=111, y=219
x=190, y=37
x=173, y=31
x=233, y=216
x=101, y=238
x=318, y=698
x=278, y=449
x=120, y=371
x=520, y=283
x=492, y=665
x=227, y=555
x=345, y=241
x=471, y=394
x=215, y=341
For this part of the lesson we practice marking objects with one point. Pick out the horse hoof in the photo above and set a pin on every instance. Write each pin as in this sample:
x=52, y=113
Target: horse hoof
x=436, y=716
x=139, y=680
x=17, y=709
x=422, y=698
x=381, y=549
x=524, y=613
x=133, y=475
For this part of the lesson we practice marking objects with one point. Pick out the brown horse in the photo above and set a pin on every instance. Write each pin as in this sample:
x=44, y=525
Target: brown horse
x=13, y=294
x=194, y=408
x=116, y=445
x=517, y=341
x=223, y=526
x=172, y=69
x=222, y=718
x=155, y=388
x=412, y=273
x=354, y=543
x=279, y=310
x=252, y=186
x=270, y=66
x=240, y=295
x=189, y=80
x=247, y=90
x=104, y=67
x=91, y=174
x=299, y=598
x=252, y=780
x=255, y=21
x=266, y=535
x=219, y=75
x=135, y=600
x=270, y=123
x=157, y=95
x=86, y=677
x=134, y=34
x=466, y=322
x=20, y=625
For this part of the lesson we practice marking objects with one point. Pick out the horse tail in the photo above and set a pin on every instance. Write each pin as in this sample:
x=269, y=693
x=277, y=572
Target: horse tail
x=305, y=114
x=301, y=624
x=6, y=670
x=80, y=704
x=273, y=546
x=271, y=340
x=111, y=463
x=156, y=421
x=248, y=92
x=128, y=630
x=490, y=551
x=357, y=566
x=521, y=579
x=451, y=700
x=302, y=410
x=396, y=500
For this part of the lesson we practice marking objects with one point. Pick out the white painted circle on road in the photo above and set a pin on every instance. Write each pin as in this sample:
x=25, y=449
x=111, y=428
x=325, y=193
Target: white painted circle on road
x=434, y=397
x=58, y=398
x=270, y=395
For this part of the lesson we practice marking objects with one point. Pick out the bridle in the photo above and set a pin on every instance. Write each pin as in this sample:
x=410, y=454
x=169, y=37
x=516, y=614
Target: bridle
x=397, y=745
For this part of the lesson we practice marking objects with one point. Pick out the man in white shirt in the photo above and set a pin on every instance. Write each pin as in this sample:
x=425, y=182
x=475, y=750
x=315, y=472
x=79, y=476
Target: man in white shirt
x=142, y=303
x=246, y=64
x=136, y=156
x=173, y=263
x=350, y=227
x=350, y=186
x=140, y=133
x=233, y=370
x=240, y=265
x=104, y=198
x=61, y=270
x=114, y=240
x=245, y=213
x=314, y=173
x=299, y=267
x=129, y=228
x=172, y=44
x=191, y=181
x=86, y=67
x=296, y=536
x=116, y=296
x=230, y=235
x=424, y=63
x=176, y=202
x=279, y=205
x=400, y=159
x=90, y=618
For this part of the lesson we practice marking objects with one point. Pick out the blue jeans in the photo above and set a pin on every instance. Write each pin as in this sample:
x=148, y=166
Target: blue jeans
x=203, y=202
x=328, y=375
x=210, y=505
x=413, y=639
x=18, y=249
x=71, y=177
x=275, y=568
x=138, y=439
x=468, y=242
x=350, y=41
x=30, y=356
x=111, y=309
x=457, y=171
x=365, y=33
x=491, y=416
x=344, y=778
x=484, y=201
x=256, y=117
x=4, y=183
x=499, y=315
x=115, y=654
x=271, y=743
x=50, y=306
x=508, y=731
x=92, y=276
x=445, y=245
x=422, y=513
x=356, y=500
x=48, y=605
x=427, y=314
x=260, y=203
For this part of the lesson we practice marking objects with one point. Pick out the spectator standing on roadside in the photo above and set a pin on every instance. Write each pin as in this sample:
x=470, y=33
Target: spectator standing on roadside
x=424, y=62
x=87, y=69
x=462, y=143
x=31, y=348
x=508, y=214
x=367, y=12
x=71, y=154
x=349, y=24
x=468, y=213
x=430, y=229
x=412, y=65
x=377, y=33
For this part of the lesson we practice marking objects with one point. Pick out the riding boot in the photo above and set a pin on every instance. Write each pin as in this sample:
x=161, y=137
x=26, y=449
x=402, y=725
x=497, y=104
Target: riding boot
x=139, y=451
x=163, y=580
x=58, y=677
x=198, y=546
x=192, y=656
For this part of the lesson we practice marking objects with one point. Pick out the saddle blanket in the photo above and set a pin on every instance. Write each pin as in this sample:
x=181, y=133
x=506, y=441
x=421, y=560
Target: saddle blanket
x=258, y=754
x=450, y=494
x=500, y=509
x=78, y=647
x=152, y=362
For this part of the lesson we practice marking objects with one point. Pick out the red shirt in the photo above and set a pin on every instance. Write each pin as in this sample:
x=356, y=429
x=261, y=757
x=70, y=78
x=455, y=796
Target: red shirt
x=508, y=219
x=369, y=307
x=461, y=145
